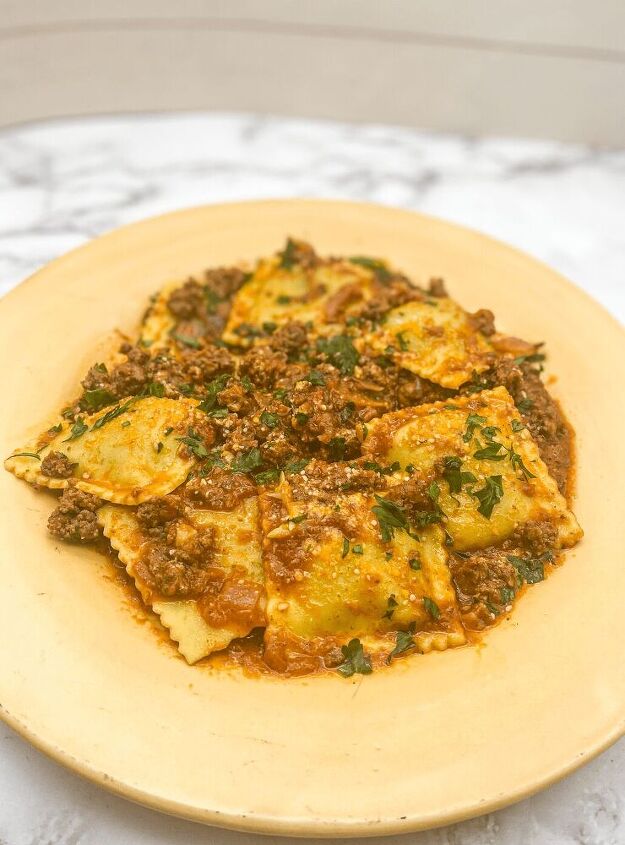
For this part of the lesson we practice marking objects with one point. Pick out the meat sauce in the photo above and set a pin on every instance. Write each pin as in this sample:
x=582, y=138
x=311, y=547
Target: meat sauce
x=291, y=399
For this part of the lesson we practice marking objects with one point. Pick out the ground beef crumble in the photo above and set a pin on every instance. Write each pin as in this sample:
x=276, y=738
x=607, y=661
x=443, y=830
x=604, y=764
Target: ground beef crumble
x=74, y=518
x=57, y=465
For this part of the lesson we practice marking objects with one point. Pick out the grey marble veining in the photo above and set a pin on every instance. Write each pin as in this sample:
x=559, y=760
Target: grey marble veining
x=64, y=182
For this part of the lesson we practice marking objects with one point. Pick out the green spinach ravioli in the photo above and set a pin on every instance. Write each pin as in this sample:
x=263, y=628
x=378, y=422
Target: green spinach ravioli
x=314, y=465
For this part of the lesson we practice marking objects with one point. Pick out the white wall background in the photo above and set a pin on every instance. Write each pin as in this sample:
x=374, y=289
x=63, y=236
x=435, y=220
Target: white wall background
x=543, y=68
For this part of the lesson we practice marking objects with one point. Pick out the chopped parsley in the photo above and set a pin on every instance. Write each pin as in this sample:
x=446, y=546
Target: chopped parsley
x=269, y=419
x=283, y=299
x=431, y=607
x=301, y=418
x=403, y=343
x=530, y=570
x=26, y=455
x=455, y=476
x=473, y=421
x=525, y=405
x=415, y=562
x=247, y=385
x=391, y=604
x=77, y=430
x=517, y=462
x=288, y=256
x=340, y=351
x=489, y=495
x=92, y=400
x=154, y=388
x=345, y=549
x=194, y=444
x=269, y=476
x=294, y=467
x=159, y=447
x=357, y=549
x=113, y=414
x=375, y=264
x=280, y=393
x=247, y=461
x=337, y=448
x=492, y=452
x=517, y=425
x=507, y=595
x=269, y=327
x=404, y=641
x=391, y=517
x=356, y=661
x=346, y=413
x=168, y=430
x=55, y=429
x=316, y=378
x=209, y=403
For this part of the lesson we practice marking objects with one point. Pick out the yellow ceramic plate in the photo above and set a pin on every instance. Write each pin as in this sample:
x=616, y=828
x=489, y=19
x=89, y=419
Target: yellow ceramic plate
x=434, y=739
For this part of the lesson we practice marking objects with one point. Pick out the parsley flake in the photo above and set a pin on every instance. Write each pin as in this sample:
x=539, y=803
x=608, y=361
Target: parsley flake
x=356, y=661
x=489, y=495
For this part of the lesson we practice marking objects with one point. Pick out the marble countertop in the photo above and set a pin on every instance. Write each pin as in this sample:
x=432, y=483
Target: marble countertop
x=64, y=182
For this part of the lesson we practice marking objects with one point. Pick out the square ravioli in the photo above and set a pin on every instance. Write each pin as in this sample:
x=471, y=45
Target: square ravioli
x=124, y=454
x=332, y=575
x=434, y=338
x=202, y=574
x=489, y=475
x=280, y=291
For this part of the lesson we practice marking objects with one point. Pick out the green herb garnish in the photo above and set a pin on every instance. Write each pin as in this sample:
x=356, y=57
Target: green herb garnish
x=404, y=641
x=91, y=400
x=269, y=419
x=77, y=430
x=269, y=476
x=375, y=264
x=209, y=403
x=356, y=661
x=26, y=455
x=455, y=476
x=341, y=352
x=194, y=444
x=294, y=467
x=316, y=378
x=473, y=422
x=391, y=604
x=113, y=414
x=345, y=548
x=390, y=516
x=489, y=495
x=337, y=448
x=247, y=462
x=431, y=607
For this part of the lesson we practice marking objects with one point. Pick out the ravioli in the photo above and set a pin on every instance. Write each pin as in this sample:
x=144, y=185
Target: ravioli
x=125, y=454
x=237, y=555
x=276, y=295
x=434, y=339
x=330, y=577
x=505, y=482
